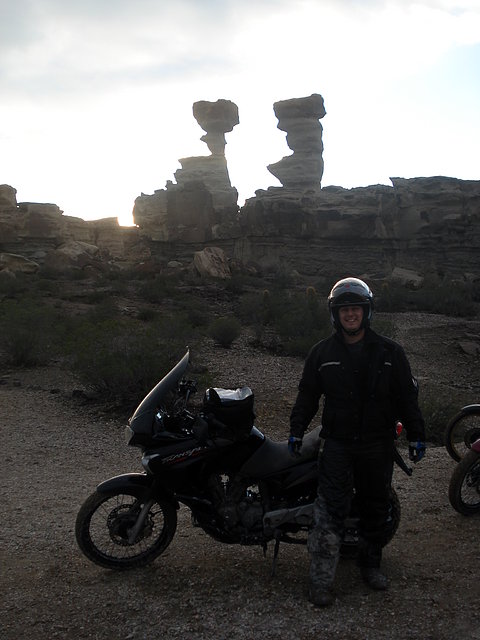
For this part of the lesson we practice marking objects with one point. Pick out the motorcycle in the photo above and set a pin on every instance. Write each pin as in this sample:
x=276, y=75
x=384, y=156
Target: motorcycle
x=462, y=430
x=240, y=486
x=464, y=487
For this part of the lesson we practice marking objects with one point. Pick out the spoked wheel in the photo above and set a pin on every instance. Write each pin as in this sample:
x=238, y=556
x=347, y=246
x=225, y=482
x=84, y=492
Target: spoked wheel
x=464, y=489
x=461, y=432
x=108, y=532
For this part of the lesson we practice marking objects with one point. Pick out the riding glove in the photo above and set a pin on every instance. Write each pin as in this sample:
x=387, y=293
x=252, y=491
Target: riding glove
x=294, y=445
x=416, y=451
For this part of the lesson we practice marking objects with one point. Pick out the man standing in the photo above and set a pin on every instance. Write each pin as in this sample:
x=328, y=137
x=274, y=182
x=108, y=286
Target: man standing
x=367, y=385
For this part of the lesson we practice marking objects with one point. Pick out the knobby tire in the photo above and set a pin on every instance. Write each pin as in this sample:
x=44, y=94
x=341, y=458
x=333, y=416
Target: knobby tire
x=101, y=532
x=466, y=477
x=456, y=430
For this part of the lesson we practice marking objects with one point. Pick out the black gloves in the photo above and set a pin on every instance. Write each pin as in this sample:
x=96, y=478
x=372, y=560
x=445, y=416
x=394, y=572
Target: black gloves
x=416, y=451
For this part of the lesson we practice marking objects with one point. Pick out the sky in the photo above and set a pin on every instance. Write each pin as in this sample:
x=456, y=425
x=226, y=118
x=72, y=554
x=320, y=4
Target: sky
x=96, y=96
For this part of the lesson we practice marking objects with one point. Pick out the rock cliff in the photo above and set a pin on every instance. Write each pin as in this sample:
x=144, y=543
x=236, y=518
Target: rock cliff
x=426, y=224
x=422, y=223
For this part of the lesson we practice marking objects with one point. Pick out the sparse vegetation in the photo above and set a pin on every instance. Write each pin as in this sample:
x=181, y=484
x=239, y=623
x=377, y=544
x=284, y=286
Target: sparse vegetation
x=120, y=337
x=30, y=332
x=287, y=322
x=225, y=330
x=447, y=297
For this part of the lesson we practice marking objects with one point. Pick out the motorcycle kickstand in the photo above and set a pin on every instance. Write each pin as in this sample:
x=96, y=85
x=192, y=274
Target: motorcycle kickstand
x=135, y=530
x=275, y=552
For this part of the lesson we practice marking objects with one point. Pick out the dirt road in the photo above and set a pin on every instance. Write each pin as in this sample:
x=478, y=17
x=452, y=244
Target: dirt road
x=53, y=454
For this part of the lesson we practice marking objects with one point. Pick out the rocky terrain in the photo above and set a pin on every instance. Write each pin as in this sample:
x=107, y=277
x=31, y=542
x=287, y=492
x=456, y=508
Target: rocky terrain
x=55, y=449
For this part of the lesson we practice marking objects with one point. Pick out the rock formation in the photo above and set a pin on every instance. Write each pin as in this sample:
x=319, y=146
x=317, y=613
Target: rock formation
x=202, y=205
x=300, y=117
x=37, y=230
x=216, y=118
x=212, y=262
x=400, y=232
x=421, y=223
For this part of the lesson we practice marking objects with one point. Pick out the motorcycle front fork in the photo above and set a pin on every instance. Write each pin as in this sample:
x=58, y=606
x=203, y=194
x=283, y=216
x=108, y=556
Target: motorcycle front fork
x=134, y=531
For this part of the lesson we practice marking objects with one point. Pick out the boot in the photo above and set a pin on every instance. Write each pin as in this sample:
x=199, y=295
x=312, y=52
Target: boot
x=374, y=578
x=320, y=596
x=322, y=575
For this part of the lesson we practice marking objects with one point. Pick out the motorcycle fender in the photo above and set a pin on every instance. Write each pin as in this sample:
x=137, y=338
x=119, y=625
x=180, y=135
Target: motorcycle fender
x=471, y=408
x=134, y=482
x=125, y=481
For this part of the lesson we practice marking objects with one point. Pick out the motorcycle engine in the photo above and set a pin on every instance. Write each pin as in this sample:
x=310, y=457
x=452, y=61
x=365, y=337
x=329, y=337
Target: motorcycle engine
x=238, y=503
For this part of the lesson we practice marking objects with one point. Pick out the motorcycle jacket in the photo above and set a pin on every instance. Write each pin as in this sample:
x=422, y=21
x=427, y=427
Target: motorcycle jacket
x=366, y=388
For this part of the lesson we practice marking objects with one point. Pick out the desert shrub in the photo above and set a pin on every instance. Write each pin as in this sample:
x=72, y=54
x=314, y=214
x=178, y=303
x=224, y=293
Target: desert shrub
x=225, y=330
x=437, y=295
x=235, y=285
x=196, y=308
x=159, y=288
x=254, y=309
x=30, y=333
x=437, y=408
x=393, y=298
x=147, y=314
x=122, y=359
x=449, y=298
x=297, y=320
x=13, y=286
x=104, y=309
x=282, y=277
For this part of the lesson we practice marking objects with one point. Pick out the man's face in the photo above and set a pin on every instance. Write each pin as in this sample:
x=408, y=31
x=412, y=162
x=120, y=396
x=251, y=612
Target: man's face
x=351, y=317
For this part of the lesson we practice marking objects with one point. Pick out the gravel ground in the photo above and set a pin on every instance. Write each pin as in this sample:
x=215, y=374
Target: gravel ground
x=54, y=452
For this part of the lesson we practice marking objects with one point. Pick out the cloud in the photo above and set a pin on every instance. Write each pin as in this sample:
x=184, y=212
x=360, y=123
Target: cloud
x=97, y=95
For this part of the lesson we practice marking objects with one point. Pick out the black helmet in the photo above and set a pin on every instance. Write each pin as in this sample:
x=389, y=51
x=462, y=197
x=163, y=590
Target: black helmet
x=350, y=292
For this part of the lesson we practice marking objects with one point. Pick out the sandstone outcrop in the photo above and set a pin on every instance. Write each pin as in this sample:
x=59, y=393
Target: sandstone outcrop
x=212, y=262
x=202, y=205
x=15, y=263
x=400, y=232
x=35, y=229
x=424, y=224
x=299, y=117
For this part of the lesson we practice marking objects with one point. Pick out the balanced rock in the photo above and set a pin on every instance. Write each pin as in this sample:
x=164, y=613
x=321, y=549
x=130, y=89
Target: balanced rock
x=216, y=118
x=202, y=205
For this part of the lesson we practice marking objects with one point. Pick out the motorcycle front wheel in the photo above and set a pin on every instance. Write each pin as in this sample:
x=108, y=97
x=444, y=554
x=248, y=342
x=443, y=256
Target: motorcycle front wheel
x=104, y=528
x=464, y=488
x=461, y=432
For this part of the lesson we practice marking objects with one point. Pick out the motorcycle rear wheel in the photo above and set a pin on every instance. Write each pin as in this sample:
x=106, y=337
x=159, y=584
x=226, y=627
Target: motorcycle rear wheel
x=461, y=431
x=464, y=488
x=349, y=547
x=104, y=522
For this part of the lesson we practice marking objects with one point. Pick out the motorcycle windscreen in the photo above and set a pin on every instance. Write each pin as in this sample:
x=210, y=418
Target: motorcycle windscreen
x=144, y=415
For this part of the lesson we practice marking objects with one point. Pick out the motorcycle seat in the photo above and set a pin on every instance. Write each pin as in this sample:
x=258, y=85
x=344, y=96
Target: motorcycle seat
x=273, y=457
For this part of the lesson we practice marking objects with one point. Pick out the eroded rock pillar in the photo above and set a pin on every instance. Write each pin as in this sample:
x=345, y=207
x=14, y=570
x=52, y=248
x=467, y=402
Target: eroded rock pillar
x=299, y=117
